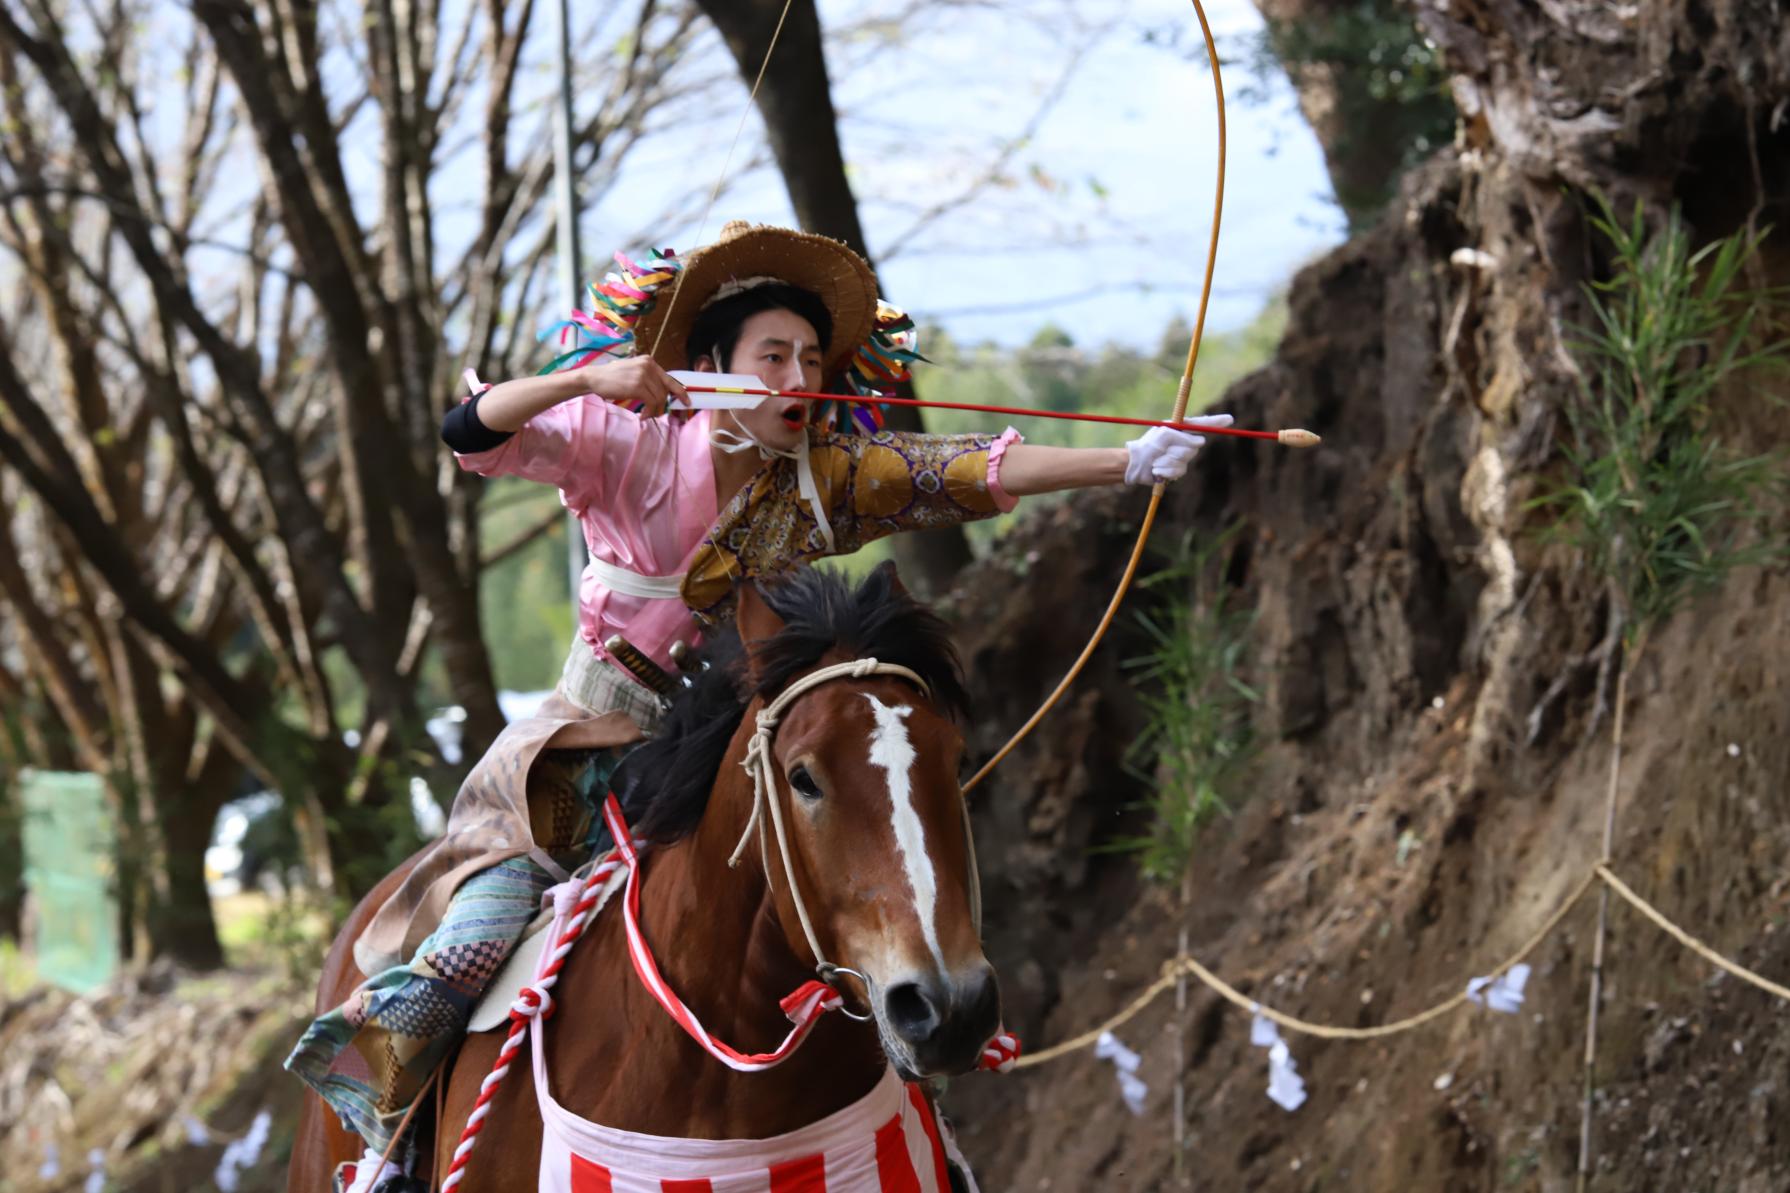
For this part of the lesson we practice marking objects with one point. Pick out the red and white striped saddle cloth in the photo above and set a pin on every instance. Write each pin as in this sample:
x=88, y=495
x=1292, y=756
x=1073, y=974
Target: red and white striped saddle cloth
x=889, y=1141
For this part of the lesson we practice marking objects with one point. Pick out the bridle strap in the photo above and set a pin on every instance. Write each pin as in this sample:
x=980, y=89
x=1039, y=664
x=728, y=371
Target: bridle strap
x=760, y=764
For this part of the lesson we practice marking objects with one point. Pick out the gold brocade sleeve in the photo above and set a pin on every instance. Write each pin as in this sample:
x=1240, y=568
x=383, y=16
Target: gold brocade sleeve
x=871, y=485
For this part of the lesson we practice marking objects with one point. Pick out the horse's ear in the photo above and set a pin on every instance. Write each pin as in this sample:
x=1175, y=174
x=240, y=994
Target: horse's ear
x=886, y=570
x=756, y=620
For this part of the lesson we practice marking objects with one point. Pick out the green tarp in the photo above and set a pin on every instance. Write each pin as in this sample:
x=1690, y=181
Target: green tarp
x=69, y=870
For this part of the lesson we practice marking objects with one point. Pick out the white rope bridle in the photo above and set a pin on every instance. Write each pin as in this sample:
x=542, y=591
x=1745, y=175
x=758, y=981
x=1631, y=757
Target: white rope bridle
x=762, y=766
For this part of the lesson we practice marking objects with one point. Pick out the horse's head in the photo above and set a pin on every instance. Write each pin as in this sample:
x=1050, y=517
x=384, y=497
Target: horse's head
x=865, y=777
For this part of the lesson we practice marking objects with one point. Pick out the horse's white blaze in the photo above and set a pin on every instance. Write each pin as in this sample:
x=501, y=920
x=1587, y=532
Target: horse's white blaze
x=891, y=750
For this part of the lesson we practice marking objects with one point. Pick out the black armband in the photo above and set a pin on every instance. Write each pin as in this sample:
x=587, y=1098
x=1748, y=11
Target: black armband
x=462, y=430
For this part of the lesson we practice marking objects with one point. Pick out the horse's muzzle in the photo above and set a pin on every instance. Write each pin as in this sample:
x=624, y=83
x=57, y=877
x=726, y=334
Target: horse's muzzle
x=944, y=1019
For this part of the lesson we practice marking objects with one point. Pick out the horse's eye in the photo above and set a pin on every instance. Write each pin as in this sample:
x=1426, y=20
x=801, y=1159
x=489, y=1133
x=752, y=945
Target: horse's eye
x=804, y=783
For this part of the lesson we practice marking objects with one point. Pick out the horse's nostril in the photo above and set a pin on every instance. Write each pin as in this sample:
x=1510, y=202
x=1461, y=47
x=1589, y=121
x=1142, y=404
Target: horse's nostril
x=912, y=1014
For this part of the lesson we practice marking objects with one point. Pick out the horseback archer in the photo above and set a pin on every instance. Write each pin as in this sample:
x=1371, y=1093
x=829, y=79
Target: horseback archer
x=679, y=506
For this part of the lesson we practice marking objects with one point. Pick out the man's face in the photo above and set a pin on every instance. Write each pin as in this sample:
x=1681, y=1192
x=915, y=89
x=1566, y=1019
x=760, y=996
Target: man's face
x=781, y=348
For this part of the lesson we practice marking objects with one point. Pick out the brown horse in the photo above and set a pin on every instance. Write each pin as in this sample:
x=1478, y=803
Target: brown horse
x=866, y=782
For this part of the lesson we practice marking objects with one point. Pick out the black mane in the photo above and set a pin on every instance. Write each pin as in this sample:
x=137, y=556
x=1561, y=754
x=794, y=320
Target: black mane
x=665, y=782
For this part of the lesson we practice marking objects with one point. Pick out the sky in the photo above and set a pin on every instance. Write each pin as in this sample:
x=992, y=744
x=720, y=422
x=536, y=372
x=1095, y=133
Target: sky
x=1097, y=223
x=1101, y=227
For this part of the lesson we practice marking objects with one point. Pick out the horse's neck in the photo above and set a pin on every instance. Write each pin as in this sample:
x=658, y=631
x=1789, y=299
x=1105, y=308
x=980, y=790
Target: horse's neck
x=715, y=934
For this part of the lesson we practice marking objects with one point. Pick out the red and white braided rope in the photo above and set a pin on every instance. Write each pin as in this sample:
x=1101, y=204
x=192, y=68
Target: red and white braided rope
x=534, y=999
x=1001, y=1052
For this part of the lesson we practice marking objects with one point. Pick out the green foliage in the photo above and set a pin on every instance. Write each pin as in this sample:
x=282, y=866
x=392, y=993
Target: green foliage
x=18, y=971
x=862, y=562
x=346, y=687
x=1660, y=507
x=524, y=600
x=383, y=822
x=1390, y=89
x=1376, y=40
x=1197, y=739
x=1047, y=369
x=270, y=845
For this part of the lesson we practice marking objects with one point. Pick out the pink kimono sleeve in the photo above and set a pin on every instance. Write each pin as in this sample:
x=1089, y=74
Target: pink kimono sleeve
x=565, y=447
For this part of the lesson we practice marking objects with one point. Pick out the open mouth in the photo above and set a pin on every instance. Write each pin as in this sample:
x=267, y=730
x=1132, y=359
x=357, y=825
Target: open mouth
x=793, y=415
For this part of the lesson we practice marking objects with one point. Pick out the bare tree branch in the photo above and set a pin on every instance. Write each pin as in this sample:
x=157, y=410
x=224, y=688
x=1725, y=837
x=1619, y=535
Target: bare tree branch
x=997, y=168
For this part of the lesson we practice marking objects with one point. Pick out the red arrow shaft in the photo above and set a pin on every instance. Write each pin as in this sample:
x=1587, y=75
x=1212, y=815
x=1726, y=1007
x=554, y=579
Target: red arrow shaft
x=1018, y=411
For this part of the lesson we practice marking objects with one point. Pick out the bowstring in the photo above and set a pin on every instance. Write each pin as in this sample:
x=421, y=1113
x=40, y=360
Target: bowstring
x=677, y=287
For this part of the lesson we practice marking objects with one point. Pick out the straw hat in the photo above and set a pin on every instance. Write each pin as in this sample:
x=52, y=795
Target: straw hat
x=748, y=254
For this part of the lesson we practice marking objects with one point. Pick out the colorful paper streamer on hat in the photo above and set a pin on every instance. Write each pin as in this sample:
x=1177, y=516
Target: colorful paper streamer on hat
x=880, y=364
x=617, y=303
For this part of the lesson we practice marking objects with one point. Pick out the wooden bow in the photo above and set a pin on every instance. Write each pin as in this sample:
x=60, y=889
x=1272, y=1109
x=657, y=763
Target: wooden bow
x=1186, y=387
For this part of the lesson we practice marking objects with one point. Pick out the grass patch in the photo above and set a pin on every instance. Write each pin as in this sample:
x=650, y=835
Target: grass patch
x=1197, y=738
x=1658, y=505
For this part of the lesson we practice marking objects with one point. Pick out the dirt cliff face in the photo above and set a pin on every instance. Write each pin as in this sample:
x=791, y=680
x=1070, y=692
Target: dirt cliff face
x=1430, y=672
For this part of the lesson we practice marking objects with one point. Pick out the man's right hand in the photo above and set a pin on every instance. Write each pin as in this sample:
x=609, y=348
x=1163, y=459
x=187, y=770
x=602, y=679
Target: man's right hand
x=635, y=379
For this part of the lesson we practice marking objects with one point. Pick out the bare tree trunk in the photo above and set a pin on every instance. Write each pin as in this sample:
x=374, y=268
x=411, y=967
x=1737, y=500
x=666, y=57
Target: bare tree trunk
x=796, y=100
x=182, y=926
x=1371, y=117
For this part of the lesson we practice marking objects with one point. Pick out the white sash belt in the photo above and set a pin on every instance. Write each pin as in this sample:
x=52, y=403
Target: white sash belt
x=620, y=579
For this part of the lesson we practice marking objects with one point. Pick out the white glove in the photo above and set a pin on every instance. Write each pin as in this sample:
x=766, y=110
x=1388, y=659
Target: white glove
x=1162, y=454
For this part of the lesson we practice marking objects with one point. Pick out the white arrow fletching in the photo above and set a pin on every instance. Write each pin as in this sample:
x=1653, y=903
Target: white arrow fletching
x=721, y=381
